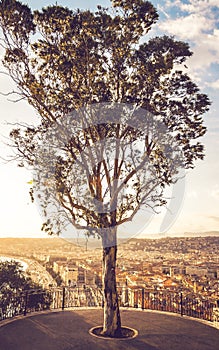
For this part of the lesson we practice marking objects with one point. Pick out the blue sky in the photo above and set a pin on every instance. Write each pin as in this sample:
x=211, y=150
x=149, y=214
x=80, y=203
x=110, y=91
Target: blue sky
x=73, y=4
x=193, y=21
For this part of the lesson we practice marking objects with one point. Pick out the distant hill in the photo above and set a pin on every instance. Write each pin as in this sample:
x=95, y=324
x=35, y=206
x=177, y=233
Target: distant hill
x=181, y=235
x=201, y=234
x=53, y=242
x=27, y=246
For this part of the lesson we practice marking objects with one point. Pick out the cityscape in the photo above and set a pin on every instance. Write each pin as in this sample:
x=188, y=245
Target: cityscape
x=147, y=271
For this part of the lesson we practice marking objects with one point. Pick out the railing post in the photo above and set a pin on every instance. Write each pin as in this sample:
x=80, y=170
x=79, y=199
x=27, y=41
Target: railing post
x=142, y=298
x=63, y=298
x=25, y=302
x=181, y=304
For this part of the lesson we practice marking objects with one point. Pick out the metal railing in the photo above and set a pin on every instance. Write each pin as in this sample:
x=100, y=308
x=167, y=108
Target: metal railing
x=28, y=301
x=91, y=296
x=176, y=302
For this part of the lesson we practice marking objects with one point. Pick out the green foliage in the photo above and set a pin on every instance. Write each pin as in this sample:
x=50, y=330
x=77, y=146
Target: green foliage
x=14, y=286
x=12, y=276
x=17, y=19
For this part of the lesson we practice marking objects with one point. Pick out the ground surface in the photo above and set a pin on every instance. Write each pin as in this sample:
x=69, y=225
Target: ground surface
x=68, y=330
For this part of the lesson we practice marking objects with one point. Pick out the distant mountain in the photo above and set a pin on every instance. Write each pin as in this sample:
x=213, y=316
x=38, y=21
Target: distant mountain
x=177, y=235
x=201, y=234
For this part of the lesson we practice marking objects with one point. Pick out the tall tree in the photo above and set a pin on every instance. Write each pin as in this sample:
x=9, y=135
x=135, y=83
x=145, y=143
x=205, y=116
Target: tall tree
x=117, y=117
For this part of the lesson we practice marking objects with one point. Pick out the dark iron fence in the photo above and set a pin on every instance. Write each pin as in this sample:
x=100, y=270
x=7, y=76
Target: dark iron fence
x=15, y=304
x=176, y=302
x=91, y=296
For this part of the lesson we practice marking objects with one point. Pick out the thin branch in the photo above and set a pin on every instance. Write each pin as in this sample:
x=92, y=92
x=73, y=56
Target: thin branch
x=5, y=73
x=107, y=174
x=2, y=45
x=138, y=207
x=22, y=125
x=77, y=206
x=129, y=176
x=9, y=93
x=6, y=161
x=18, y=100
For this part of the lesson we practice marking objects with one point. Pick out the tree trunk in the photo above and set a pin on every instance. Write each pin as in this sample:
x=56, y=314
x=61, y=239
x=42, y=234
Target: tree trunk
x=112, y=321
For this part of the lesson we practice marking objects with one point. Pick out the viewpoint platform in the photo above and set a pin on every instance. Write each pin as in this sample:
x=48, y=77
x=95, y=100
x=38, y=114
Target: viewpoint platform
x=69, y=330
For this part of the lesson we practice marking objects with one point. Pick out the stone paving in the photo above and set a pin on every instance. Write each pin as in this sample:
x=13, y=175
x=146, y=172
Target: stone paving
x=68, y=330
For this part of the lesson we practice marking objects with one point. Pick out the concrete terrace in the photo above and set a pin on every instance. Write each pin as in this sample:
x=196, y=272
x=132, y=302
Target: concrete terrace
x=68, y=330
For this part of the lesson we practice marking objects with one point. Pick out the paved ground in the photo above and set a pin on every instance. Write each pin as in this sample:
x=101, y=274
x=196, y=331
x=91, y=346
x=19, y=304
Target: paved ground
x=68, y=330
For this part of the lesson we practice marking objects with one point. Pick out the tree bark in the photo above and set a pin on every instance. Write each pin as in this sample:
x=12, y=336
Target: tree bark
x=112, y=320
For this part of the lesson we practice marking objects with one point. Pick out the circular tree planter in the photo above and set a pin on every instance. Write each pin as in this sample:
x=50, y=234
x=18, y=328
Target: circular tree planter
x=126, y=333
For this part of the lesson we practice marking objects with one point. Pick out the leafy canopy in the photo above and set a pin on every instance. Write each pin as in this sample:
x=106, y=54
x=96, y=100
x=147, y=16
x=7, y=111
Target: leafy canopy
x=65, y=61
x=14, y=282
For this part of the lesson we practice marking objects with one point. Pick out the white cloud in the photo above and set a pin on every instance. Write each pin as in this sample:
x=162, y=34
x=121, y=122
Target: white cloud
x=214, y=84
x=196, y=23
x=215, y=192
x=206, y=53
x=192, y=5
x=192, y=194
x=188, y=27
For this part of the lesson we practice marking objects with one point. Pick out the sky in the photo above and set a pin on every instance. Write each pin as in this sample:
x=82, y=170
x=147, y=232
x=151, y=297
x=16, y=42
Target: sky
x=197, y=209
